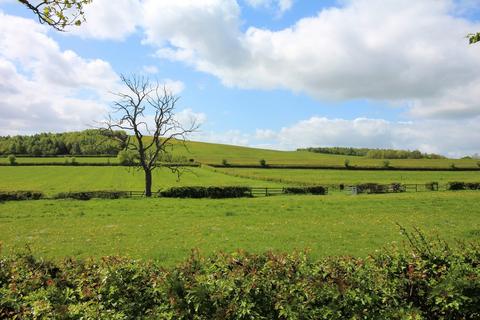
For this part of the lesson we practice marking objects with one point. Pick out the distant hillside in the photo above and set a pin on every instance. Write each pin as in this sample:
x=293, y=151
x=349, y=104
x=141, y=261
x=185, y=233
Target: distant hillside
x=375, y=153
x=211, y=153
x=88, y=142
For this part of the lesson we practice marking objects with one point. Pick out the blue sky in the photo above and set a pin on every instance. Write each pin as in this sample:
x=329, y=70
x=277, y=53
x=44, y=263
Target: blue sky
x=268, y=73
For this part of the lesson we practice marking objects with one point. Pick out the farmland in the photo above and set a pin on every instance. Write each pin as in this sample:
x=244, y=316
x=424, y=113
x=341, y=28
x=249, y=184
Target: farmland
x=167, y=229
x=327, y=177
x=210, y=153
x=55, y=179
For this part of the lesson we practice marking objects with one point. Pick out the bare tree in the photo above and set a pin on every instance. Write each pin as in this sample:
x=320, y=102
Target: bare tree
x=150, y=141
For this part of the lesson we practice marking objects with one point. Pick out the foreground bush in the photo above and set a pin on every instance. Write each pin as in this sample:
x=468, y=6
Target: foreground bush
x=424, y=281
x=20, y=195
x=206, y=192
x=87, y=195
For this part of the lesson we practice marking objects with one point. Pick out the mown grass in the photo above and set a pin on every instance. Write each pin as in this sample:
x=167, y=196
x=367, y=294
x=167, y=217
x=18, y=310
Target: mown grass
x=326, y=177
x=210, y=153
x=55, y=179
x=167, y=229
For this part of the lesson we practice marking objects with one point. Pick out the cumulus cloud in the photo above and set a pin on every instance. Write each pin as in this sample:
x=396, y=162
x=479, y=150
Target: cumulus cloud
x=150, y=69
x=280, y=5
x=437, y=136
x=109, y=20
x=394, y=51
x=43, y=88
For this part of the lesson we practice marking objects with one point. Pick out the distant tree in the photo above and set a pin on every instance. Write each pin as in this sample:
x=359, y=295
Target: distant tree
x=474, y=37
x=12, y=159
x=150, y=142
x=263, y=163
x=58, y=13
x=126, y=158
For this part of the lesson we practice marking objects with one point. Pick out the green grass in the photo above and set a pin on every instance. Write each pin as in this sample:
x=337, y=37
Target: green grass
x=317, y=176
x=61, y=160
x=55, y=179
x=211, y=153
x=167, y=229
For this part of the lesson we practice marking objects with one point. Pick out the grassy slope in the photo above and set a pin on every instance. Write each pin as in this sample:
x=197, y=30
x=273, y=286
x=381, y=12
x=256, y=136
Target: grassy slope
x=317, y=176
x=167, y=229
x=54, y=179
x=215, y=153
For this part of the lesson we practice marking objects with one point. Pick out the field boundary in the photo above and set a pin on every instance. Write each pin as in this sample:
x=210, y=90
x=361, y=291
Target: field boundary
x=351, y=168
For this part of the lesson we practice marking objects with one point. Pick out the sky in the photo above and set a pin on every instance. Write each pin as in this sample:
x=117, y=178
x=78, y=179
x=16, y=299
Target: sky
x=281, y=74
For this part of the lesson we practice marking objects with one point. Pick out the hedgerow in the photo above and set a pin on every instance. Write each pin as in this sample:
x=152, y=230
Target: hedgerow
x=20, y=195
x=87, y=195
x=206, y=192
x=426, y=280
x=316, y=190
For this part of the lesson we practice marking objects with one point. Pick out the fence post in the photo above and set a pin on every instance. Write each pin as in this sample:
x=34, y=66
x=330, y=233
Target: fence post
x=266, y=192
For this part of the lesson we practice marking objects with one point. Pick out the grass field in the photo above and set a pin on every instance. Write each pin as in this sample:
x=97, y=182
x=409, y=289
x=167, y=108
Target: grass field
x=167, y=229
x=55, y=179
x=325, y=177
x=210, y=153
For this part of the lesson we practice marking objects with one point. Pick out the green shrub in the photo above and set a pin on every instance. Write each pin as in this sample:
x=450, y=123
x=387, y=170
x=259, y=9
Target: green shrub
x=316, y=190
x=20, y=195
x=87, y=195
x=206, y=192
x=386, y=163
x=472, y=185
x=452, y=166
x=263, y=163
x=426, y=280
x=126, y=158
x=12, y=159
x=346, y=163
x=456, y=185
x=397, y=187
x=225, y=163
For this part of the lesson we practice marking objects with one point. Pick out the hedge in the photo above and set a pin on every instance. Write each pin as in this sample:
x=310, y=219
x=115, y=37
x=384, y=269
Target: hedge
x=20, y=195
x=380, y=188
x=463, y=185
x=206, y=192
x=87, y=195
x=427, y=280
x=316, y=190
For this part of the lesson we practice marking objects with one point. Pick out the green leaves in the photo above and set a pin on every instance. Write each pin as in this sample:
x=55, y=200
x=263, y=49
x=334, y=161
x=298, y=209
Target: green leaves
x=474, y=37
x=428, y=280
x=58, y=13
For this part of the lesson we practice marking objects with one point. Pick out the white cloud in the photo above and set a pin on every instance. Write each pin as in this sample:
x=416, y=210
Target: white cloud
x=280, y=5
x=43, y=88
x=150, y=69
x=109, y=20
x=390, y=51
x=175, y=87
x=437, y=136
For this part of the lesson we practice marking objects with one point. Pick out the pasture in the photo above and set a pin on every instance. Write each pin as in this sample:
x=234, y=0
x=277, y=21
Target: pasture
x=210, y=153
x=328, y=177
x=55, y=179
x=168, y=229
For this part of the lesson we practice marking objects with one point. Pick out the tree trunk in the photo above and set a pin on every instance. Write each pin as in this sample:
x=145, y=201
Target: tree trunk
x=148, y=183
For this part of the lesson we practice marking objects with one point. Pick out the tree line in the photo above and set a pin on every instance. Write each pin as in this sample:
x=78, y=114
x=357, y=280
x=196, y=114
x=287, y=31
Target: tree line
x=374, y=153
x=91, y=142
